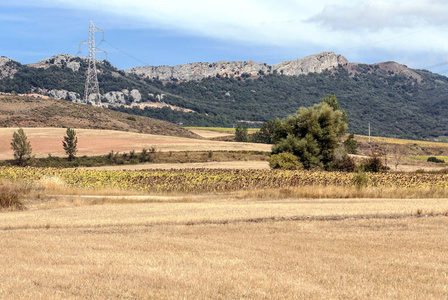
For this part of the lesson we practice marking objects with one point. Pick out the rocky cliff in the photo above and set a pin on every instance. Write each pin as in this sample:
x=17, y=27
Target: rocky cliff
x=197, y=71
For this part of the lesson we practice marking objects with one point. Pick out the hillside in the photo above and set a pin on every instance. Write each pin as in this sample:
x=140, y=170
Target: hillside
x=38, y=112
x=397, y=101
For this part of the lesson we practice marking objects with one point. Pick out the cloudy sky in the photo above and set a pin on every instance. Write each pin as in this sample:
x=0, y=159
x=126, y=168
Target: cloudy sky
x=170, y=32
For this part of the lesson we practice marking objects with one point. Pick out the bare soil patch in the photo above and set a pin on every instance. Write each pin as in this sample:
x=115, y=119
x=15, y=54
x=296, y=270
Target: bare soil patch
x=39, y=112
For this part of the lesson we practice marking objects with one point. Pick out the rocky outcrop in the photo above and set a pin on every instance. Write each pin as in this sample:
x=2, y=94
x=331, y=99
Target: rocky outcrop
x=311, y=64
x=136, y=96
x=60, y=60
x=116, y=97
x=63, y=94
x=6, y=71
x=4, y=60
x=197, y=71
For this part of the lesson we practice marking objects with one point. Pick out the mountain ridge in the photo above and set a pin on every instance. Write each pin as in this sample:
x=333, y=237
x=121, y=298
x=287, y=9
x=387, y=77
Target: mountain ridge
x=233, y=69
x=396, y=100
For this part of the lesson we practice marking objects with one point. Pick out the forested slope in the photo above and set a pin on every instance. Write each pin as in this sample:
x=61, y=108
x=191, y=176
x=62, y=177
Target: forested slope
x=395, y=100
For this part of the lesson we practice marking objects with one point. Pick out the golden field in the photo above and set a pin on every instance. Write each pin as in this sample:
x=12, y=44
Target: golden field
x=82, y=237
x=209, y=248
x=219, y=233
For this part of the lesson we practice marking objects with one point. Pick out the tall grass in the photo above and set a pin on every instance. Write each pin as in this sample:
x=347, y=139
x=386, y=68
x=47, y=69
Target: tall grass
x=335, y=192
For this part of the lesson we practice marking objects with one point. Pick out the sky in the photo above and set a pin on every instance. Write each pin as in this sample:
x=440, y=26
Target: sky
x=172, y=32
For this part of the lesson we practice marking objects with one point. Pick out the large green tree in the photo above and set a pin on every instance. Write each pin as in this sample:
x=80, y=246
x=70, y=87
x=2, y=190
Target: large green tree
x=70, y=143
x=21, y=147
x=312, y=134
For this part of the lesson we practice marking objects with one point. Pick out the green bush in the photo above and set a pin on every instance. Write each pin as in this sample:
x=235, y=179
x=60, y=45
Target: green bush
x=435, y=160
x=285, y=161
x=360, y=180
x=344, y=164
x=373, y=164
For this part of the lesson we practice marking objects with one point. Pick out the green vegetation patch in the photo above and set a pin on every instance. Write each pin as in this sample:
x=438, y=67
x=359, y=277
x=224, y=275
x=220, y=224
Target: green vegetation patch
x=425, y=157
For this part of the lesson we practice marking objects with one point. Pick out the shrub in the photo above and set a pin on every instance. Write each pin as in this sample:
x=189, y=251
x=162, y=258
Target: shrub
x=10, y=196
x=360, y=180
x=344, y=164
x=132, y=155
x=373, y=164
x=285, y=161
x=350, y=144
x=435, y=160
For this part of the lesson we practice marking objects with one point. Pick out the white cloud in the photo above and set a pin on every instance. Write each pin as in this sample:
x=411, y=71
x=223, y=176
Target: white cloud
x=335, y=25
x=380, y=14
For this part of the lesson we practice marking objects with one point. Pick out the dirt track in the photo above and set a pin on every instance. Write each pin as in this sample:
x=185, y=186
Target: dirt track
x=99, y=142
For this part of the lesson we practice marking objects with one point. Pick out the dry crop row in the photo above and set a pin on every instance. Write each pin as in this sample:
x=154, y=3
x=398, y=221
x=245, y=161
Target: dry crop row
x=215, y=180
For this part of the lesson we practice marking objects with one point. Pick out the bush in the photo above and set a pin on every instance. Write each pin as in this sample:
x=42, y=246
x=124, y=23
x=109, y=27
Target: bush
x=285, y=161
x=344, y=164
x=10, y=196
x=373, y=164
x=360, y=180
x=350, y=144
x=435, y=160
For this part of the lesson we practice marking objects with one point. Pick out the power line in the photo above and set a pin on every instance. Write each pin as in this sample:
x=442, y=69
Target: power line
x=436, y=65
x=125, y=53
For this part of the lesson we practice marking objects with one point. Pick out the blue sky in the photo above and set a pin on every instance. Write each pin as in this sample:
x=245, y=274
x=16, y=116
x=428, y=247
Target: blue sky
x=171, y=32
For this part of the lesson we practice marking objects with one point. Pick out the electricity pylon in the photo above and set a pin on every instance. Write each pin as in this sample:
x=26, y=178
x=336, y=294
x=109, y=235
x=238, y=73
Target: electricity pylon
x=92, y=90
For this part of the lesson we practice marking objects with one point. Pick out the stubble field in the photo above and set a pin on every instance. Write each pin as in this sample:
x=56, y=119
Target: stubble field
x=198, y=248
x=82, y=236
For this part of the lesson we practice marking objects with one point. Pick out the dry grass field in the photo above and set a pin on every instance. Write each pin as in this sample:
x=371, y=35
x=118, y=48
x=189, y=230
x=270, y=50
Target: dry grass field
x=99, y=142
x=305, y=242
x=207, y=247
x=36, y=112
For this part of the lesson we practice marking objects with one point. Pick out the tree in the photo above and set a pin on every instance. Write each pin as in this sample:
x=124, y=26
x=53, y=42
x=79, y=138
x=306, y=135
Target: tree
x=264, y=135
x=70, y=143
x=21, y=147
x=398, y=153
x=241, y=133
x=350, y=144
x=312, y=134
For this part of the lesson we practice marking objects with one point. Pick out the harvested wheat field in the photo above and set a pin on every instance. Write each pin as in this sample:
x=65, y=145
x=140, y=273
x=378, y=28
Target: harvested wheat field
x=99, y=142
x=205, y=247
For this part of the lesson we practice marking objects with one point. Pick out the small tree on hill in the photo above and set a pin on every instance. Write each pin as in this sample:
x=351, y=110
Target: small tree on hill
x=21, y=147
x=70, y=143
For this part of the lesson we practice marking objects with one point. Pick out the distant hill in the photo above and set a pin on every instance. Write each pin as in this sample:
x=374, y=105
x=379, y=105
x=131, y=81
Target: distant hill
x=397, y=101
x=26, y=111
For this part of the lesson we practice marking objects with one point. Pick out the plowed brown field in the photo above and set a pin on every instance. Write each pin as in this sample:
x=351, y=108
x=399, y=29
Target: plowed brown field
x=99, y=142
